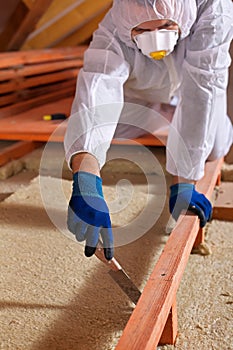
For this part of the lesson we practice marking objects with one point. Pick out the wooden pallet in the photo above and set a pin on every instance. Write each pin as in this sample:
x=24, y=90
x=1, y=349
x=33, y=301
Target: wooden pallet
x=31, y=78
x=38, y=82
x=154, y=320
x=29, y=125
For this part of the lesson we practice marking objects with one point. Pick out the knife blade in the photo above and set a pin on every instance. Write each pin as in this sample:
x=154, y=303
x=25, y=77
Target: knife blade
x=119, y=275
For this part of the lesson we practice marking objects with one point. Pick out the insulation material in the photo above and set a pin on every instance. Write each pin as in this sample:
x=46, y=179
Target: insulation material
x=52, y=297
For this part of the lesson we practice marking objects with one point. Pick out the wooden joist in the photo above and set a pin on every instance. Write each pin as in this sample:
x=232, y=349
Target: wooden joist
x=160, y=139
x=17, y=150
x=21, y=84
x=25, y=24
x=29, y=125
x=8, y=59
x=36, y=69
x=28, y=79
x=154, y=319
x=12, y=25
x=14, y=111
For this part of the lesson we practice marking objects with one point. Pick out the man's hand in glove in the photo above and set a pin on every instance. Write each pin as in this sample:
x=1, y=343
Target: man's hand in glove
x=183, y=196
x=88, y=214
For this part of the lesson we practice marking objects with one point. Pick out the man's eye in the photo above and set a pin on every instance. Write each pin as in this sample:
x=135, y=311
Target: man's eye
x=167, y=25
x=138, y=30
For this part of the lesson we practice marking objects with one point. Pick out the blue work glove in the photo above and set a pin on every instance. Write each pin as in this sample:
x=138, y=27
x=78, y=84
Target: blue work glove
x=183, y=196
x=88, y=214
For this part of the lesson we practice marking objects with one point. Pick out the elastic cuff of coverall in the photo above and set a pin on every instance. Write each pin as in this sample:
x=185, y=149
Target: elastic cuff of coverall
x=70, y=156
x=194, y=175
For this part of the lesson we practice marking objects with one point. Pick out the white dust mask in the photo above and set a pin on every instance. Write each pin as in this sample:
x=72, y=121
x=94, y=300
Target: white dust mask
x=157, y=44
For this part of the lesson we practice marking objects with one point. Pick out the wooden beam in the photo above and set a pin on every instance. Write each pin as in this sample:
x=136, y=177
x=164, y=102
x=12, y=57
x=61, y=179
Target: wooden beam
x=36, y=69
x=30, y=125
x=16, y=151
x=12, y=26
x=146, y=324
x=35, y=102
x=28, y=24
x=7, y=8
x=146, y=140
x=9, y=59
x=28, y=3
x=67, y=24
x=29, y=94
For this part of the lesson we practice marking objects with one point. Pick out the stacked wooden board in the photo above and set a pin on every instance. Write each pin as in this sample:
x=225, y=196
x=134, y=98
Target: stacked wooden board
x=32, y=78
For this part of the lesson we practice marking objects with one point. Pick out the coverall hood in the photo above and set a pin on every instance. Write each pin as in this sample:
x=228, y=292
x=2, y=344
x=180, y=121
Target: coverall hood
x=127, y=14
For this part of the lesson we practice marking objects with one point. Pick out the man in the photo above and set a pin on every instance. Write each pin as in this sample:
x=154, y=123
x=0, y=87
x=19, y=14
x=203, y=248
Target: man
x=145, y=52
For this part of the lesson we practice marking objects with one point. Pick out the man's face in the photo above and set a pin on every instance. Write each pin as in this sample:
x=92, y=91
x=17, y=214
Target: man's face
x=154, y=25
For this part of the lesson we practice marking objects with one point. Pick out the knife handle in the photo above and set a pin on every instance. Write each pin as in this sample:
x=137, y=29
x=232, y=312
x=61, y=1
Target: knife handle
x=112, y=264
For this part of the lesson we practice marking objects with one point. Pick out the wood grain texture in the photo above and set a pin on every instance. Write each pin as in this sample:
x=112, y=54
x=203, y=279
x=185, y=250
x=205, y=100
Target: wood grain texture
x=223, y=208
x=146, y=324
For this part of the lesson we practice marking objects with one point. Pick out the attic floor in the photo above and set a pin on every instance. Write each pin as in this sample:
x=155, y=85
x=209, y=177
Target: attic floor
x=52, y=297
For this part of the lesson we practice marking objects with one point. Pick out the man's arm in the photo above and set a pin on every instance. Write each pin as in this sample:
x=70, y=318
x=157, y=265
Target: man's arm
x=85, y=162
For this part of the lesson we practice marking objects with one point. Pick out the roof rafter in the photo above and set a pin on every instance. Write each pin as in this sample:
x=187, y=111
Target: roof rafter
x=16, y=34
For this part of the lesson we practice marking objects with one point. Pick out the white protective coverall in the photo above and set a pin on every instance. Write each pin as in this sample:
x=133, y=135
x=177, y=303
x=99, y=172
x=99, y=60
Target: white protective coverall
x=116, y=71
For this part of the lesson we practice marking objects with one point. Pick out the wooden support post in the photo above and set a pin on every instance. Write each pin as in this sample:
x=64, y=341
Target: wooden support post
x=17, y=150
x=200, y=238
x=171, y=327
x=218, y=182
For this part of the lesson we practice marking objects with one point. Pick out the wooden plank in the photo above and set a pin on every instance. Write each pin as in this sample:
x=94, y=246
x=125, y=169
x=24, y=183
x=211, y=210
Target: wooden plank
x=47, y=79
x=7, y=74
x=28, y=3
x=9, y=59
x=147, y=140
x=28, y=24
x=170, y=330
x=12, y=25
x=147, y=322
x=27, y=94
x=17, y=150
x=35, y=102
x=35, y=69
x=43, y=68
x=223, y=207
x=6, y=9
x=9, y=99
x=30, y=125
x=8, y=86
x=48, y=89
